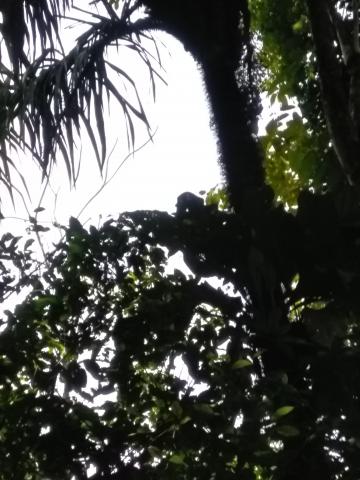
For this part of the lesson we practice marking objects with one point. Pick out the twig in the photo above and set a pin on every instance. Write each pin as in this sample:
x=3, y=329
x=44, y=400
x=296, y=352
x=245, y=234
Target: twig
x=108, y=180
x=36, y=222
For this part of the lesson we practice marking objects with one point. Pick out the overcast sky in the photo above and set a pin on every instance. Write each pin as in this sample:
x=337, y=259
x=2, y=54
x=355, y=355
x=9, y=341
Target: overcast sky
x=181, y=157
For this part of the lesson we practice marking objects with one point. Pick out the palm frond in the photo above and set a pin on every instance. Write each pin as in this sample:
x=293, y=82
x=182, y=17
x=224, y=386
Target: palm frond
x=43, y=109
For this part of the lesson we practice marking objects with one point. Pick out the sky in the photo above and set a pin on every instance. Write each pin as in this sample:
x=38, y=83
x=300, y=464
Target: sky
x=181, y=157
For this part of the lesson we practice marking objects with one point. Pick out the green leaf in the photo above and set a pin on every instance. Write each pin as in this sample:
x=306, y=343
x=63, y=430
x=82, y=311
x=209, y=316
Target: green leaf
x=185, y=420
x=241, y=363
x=177, y=458
x=282, y=411
x=43, y=302
x=299, y=25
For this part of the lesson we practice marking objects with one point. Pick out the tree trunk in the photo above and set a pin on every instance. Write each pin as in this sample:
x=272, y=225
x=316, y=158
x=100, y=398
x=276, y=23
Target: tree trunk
x=217, y=34
x=339, y=84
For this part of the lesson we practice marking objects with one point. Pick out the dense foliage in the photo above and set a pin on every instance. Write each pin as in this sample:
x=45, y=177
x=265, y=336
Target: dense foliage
x=107, y=322
x=310, y=51
x=115, y=364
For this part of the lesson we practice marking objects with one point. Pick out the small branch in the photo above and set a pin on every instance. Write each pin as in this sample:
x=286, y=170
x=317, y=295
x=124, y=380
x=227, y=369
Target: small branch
x=108, y=180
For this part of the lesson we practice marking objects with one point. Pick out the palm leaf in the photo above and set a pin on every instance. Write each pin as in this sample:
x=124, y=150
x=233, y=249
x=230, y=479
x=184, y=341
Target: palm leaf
x=58, y=92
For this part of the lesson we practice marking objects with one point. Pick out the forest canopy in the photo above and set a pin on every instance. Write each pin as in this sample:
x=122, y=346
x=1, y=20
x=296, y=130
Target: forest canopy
x=113, y=363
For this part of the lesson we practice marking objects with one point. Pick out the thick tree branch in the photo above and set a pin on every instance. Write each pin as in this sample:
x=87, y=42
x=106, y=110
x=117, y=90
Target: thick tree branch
x=219, y=39
x=240, y=151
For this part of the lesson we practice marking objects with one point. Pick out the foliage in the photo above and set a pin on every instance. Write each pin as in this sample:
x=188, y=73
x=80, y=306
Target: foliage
x=115, y=364
x=298, y=146
x=90, y=359
x=46, y=98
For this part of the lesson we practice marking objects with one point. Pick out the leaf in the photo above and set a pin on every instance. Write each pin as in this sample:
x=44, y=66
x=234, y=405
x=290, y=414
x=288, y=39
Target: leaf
x=92, y=367
x=271, y=127
x=185, y=420
x=281, y=117
x=241, y=363
x=28, y=243
x=288, y=431
x=39, y=209
x=40, y=228
x=282, y=411
x=177, y=458
x=298, y=26
x=204, y=408
x=45, y=301
x=285, y=108
x=75, y=225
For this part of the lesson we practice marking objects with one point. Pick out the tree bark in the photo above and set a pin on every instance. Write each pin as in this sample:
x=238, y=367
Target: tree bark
x=335, y=93
x=217, y=34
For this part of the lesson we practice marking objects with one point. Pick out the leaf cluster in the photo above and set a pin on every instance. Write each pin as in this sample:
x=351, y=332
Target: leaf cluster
x=298, y=153
x=89, y=361
x=59, y=92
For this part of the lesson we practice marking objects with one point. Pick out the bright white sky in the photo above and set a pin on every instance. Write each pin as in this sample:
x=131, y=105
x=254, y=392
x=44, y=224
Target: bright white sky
x=182, y=156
